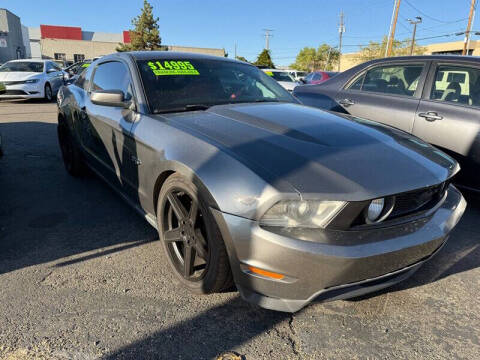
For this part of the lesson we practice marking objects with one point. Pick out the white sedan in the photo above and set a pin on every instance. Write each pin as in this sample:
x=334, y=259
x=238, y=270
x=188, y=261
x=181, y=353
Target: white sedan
x=283, y=78
x=31, y=79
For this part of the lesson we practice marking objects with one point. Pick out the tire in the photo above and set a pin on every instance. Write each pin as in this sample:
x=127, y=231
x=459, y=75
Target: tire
x=195, y=234
x=48, y=93
x=71, y=155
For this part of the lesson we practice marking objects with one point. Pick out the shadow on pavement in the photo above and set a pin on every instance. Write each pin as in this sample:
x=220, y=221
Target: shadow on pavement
x=45, y=214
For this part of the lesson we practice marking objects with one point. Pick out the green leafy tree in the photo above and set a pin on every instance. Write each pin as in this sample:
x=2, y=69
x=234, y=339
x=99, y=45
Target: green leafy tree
x=309, y=59
x=146, y=34
x=241, y=58
x=376, y=50
x=264, y=59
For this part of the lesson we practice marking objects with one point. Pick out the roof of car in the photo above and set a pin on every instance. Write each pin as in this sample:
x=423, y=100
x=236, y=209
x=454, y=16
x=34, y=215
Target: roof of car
x=429, y=57
x=146, y=55
x=30, y=60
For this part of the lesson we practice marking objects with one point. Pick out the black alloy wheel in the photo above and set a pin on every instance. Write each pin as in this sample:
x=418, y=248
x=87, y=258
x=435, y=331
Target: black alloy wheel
x=190, y=237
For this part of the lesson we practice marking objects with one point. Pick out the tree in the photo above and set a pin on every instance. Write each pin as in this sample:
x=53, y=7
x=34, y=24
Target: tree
x=264, y=59
x=309, y=59
x=241, y=58
x=376, y=50
x=146, y=34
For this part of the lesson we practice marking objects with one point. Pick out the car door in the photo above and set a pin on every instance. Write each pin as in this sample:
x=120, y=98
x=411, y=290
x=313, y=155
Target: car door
x=388, y=93
x=108, y=128
x=449, y=113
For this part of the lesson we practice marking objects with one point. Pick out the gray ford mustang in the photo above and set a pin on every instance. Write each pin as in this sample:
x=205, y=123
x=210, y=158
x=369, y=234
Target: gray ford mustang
x=246, y=186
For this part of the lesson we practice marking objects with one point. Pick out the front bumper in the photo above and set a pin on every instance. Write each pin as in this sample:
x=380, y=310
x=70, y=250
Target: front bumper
x=23, y=91
x=371, y=259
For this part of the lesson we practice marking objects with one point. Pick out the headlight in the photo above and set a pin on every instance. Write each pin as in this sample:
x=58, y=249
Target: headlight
x=302, y=214
x=375, y=209
x=31, y=81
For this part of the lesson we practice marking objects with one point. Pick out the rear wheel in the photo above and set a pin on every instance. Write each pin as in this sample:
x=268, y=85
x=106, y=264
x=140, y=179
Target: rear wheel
x=190, y=237
x=48, y=93
x=72, y=158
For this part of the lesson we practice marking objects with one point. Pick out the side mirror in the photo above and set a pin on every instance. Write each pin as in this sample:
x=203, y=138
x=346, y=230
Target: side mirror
x=49, y=71
x=109, y=98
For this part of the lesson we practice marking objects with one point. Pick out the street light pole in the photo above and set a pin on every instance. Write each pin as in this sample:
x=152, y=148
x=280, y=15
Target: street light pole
x=414, y=23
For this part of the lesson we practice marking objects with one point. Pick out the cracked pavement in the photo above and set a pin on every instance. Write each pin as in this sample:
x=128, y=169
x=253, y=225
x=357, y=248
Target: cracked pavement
x=83, y=277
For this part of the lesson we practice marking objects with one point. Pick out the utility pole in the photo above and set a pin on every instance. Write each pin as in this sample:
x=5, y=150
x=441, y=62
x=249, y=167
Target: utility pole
x=394, y=25
x=341, y=30
x=466, y=41
x=414, y=23
x=267, y=38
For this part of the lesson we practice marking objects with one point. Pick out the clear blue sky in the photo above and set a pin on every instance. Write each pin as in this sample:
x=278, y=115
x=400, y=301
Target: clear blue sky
x=210, y=23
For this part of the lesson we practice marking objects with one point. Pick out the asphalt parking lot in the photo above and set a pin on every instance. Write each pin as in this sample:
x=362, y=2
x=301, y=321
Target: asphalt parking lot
x=82, y=276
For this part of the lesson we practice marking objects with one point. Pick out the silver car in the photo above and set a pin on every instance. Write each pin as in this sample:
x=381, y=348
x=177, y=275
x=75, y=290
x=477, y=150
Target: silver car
x=246, y=186
x=31, y=79
x=434, y=97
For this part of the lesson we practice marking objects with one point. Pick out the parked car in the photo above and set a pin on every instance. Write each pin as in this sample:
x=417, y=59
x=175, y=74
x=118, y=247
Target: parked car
x=297, y=75
x=283, y=77
x=72, y=72
x=318, y=77
x=246, y=185
x=31, y=79
x=436, y=98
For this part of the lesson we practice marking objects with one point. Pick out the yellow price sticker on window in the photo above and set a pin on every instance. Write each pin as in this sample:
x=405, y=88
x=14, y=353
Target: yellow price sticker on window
x=172, y=67
x=269, y=73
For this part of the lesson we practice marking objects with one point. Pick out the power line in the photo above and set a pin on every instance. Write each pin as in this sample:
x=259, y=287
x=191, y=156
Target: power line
x=424, y=14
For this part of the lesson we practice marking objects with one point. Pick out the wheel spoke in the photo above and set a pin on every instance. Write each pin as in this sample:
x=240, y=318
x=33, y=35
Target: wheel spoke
x=172, y=235
x=201, y=245
x=177, y=206
x=193, y=212
x=188, y=261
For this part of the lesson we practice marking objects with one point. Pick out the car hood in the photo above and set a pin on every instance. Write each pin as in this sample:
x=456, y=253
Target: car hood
x=17, y=76
x=331, y=156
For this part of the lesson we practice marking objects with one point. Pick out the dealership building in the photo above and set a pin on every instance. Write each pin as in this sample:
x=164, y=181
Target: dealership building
x=65, y=43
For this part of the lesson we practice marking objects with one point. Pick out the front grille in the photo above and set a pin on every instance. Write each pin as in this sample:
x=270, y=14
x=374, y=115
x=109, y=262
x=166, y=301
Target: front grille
x=13, y=82
x=418, y=200
x=15, y=92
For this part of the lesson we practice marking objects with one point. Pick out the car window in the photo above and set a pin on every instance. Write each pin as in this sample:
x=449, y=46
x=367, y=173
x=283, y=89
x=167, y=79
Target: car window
x=457, y=84
x=357, y=84
x=280, y=76
x=396, y=79
x=83, y=80
x=22, y=66
x=112, y=76
x=173, y=84
x=317, y=77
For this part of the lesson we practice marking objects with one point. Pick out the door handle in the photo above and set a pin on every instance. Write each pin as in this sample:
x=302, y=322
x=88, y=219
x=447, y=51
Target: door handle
x=346, y=102
x=430, y=116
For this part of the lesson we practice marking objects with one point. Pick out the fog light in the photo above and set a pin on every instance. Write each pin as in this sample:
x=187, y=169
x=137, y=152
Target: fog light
x=375, y=209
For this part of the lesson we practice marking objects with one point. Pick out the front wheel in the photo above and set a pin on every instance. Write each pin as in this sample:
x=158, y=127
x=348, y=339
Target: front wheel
x=190, y=237
x=48, y=93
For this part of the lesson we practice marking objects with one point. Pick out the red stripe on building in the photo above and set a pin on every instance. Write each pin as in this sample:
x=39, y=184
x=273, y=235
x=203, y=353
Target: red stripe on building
x=126, y=37
x=60, y=32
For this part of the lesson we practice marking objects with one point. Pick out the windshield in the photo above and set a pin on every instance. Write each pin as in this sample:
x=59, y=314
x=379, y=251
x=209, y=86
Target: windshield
x=22, y=66
x=280, y=76
x=175, y=85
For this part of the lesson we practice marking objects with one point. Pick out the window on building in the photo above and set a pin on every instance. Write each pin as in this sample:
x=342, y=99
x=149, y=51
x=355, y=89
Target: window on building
x=78, y=57
x=60, y=56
